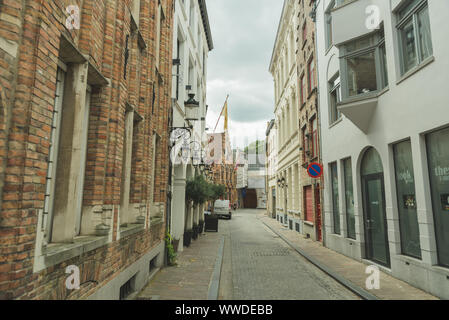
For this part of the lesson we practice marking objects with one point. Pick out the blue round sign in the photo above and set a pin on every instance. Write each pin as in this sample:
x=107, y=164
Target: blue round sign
x=315, y=170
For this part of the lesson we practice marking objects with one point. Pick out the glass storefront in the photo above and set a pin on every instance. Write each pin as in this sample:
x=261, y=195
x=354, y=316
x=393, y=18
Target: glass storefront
x=374, y=208
x=406, y=197
x=438, y=159
x=335, y=204
x=349, y=198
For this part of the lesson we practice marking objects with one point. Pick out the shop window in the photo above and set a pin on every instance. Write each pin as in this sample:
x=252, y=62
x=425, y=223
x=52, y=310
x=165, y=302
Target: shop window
x=438, y=159
x=335, y=203
x=406, y=197
x=349, y=198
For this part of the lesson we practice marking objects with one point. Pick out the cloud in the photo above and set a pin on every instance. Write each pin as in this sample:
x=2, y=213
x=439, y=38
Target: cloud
x=243, y=33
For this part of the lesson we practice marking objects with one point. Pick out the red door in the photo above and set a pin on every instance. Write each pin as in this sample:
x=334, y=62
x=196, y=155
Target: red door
x=318, y=213
x=308, y=195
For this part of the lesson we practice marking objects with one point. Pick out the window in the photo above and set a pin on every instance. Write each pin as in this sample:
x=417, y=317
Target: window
x=159, y=26
x=303, y=89
x=328, y=19
x=126, y=168
x=335, y=98
x=135, y=11
x=304, y=32
x=67, y=155
x=406, y=196
x=314, y=142
x=349, y=198
x=363, y=66
x=53, y=153
x=438, y=159
x=335, y=203
x=414, y=34
x=304, y=143
x=311, y=75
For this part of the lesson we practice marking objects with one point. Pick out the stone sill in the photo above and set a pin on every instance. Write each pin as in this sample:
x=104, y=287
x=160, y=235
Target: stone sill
x=58, y=252
x=131, y=229
x=311, y=224
x=156, y=221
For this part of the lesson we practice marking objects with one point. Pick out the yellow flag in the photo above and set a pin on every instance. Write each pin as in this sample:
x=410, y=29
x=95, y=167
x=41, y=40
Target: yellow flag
x=226, y=116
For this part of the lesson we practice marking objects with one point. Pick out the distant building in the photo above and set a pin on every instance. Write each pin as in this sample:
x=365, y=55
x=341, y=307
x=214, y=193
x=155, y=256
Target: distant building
x=270, y=168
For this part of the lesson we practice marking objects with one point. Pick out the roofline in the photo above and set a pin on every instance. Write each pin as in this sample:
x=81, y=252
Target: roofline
x=205, y=18
x=277, y=34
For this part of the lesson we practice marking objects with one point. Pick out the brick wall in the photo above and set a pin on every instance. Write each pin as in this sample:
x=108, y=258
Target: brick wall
x=30, y=35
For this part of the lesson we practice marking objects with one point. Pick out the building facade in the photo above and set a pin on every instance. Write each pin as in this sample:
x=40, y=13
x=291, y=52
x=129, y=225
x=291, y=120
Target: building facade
x=241, y=164
x=223, y=167
x=308, y=121
x=83, y=90
x=270, y=168
x=385, y=135
x=192, y=42
x=283, y=67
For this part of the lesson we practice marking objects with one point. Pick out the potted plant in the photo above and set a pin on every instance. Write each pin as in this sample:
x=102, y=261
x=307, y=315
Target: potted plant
x=188, y=237
x=195, y=231
x=200, y=227
x=171, y=253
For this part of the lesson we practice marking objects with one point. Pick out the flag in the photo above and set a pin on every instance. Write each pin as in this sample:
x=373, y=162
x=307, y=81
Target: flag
x=226, y=116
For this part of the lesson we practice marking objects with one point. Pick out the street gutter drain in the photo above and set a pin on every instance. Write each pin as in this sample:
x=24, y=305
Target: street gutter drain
x=275, y=253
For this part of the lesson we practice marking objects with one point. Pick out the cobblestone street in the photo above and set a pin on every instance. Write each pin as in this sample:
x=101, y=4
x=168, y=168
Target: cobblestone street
x=261, y=266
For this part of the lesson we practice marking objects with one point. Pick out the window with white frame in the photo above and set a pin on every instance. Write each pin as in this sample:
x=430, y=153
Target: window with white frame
x=335, y=98
x=328, y=19
x=415, y=38
x=363, y=66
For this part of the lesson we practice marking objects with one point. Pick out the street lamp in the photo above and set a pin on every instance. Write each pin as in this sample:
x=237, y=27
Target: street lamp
x=192, y=108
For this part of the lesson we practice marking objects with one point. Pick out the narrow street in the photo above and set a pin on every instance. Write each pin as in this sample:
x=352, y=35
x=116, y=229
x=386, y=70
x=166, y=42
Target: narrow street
x=258, y=265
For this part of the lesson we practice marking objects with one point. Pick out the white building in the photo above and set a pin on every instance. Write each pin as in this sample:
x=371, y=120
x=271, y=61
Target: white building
x=192, y=42
x=270, y=168
x=385, y=135
x=283, y=68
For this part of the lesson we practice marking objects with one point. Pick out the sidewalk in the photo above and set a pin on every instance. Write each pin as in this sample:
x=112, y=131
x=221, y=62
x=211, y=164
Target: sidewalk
x=194, y=276
x=349, y=271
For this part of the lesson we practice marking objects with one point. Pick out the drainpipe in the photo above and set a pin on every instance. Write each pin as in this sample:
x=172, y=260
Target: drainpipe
x=323, y=228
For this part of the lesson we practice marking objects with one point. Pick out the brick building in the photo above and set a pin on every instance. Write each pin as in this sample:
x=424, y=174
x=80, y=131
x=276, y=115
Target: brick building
x=84, y=105
x=308, y=120
x=224, y=170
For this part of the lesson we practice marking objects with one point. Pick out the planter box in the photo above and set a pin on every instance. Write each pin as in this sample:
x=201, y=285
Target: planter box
x=211, y=223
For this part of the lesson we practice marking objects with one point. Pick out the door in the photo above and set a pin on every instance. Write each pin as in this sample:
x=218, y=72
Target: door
x=308, y=199
x=319, y=233
x=375, y=220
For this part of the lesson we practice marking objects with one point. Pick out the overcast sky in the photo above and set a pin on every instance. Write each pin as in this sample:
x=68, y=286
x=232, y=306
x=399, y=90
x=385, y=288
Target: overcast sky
x=243, y=32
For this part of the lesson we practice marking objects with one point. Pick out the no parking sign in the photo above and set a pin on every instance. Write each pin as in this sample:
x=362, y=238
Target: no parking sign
x=315, y=170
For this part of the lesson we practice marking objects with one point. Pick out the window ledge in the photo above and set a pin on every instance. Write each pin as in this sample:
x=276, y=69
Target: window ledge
x=414, y=70
x=131, y=229
x=58, y=252
x=156, y=220
x=311, y=224
x=336, y=122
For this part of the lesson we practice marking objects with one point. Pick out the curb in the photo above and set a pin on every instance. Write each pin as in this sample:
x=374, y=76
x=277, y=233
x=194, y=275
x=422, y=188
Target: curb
x=214, y=284
x=345, y=282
